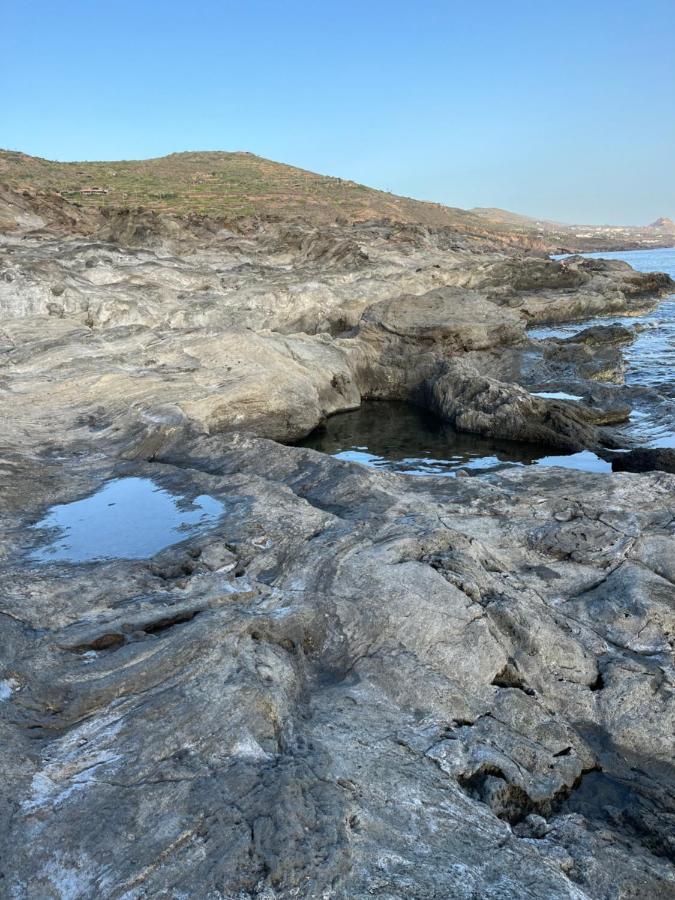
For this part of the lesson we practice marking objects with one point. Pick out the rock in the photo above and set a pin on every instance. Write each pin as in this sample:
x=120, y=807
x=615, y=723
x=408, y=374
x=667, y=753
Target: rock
x=536, y=827
x=532, y=274
x=482, y=405
x=587, y=359
x=345, y=683
x=645, y=460
x=600, y=334
x=612, y=415
x=609, y=287
x=259, y=728
x=453, y=319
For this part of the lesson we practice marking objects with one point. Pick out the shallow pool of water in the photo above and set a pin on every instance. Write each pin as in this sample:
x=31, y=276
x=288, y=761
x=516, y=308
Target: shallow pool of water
x=401, y=438
x=128, y=518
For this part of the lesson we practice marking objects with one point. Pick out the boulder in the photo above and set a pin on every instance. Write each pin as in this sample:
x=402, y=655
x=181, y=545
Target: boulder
x=453, y=319
x=645, y=460
x=478, y=404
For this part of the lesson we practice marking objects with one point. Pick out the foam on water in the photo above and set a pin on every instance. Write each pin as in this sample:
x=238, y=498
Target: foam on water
x=555, y=395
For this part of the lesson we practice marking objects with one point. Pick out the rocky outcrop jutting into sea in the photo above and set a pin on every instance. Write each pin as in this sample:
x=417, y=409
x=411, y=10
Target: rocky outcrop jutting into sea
x=341, y=682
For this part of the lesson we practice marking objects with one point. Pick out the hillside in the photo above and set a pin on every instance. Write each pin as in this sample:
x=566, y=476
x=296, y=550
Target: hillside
x=239, y=186
x=506, y=217
x=581, y=237
x=220, y=184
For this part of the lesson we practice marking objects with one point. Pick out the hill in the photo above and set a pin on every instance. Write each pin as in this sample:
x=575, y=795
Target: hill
x=664, y=224
x=238, y=186
x=220, y=184
x=506, y=217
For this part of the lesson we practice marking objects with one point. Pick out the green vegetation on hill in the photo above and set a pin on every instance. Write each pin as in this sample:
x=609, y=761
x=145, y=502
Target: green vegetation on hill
x=228, y=185
x=235, y=186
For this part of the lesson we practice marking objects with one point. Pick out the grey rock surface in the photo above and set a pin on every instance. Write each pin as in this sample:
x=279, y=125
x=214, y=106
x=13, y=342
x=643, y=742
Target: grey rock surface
x=392, y=679
x=350, y=683
x=479, y=404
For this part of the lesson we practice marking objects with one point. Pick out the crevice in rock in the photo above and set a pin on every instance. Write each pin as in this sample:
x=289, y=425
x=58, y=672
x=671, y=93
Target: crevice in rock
x=509, y=677
x=490, y=785
x=598, y=684
x=169, y=622
x=114, y=640
x=108, y=641
x=511, y=802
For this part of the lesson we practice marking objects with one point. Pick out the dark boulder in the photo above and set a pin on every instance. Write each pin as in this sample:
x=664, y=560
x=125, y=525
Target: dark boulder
x=646, y=460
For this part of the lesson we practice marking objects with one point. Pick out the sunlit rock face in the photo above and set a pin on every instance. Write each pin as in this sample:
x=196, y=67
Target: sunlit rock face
x=233, y=668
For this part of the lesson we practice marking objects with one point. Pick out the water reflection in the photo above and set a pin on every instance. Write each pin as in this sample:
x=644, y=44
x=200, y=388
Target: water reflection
x=129, y=518
x=401, y=438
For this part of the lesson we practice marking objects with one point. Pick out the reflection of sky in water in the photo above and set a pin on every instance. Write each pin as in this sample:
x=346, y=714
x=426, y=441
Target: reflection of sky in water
x=129, y=518
x=585, y=460
x=407, y=440
x=556, y=395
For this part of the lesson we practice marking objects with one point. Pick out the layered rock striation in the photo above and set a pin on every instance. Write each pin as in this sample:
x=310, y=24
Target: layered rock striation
x=351, y=684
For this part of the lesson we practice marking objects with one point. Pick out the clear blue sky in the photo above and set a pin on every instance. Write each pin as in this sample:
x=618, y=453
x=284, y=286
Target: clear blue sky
x=559, y=109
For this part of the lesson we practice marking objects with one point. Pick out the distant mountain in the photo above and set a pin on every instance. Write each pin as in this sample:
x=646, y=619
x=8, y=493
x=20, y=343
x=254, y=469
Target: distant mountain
x=664, y=224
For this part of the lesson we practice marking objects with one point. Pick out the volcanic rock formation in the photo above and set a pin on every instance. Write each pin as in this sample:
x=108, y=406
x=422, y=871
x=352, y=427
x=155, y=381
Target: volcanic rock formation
x=352, y=684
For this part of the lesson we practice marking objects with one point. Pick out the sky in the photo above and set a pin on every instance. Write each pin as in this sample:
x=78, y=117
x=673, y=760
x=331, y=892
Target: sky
x=561, y=110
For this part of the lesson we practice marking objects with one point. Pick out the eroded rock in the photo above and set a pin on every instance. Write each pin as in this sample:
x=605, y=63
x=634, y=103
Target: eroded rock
x=482, y=405
x=350, y=683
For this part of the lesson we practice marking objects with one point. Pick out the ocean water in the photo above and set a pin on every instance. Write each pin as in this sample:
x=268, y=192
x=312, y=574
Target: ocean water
x=650, y=359
x=400, y=438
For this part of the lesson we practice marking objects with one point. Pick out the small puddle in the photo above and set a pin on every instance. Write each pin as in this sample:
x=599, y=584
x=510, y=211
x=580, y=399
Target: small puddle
x=401, y=438
x=128, y=518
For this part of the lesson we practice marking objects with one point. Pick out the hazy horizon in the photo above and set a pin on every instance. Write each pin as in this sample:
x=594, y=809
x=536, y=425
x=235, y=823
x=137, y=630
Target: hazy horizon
x=560, y=114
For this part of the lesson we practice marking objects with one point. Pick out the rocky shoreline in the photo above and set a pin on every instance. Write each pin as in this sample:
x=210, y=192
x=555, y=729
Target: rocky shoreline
x=354, y=684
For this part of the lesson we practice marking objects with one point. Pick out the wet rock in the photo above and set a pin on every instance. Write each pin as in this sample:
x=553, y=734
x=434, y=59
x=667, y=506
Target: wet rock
x=602, y=361
x=482, y=405
x=612, y=415
x=645, y=460
x=600, y=334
